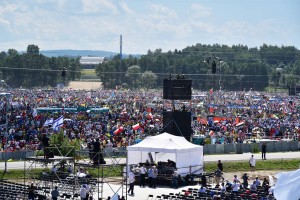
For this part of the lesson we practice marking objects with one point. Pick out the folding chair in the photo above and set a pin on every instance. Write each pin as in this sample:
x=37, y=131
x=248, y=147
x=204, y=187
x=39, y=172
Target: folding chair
x=158, y=198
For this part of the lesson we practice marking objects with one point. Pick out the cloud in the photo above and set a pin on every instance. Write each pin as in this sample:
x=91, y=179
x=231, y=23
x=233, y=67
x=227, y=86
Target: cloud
x=4, y=21
x=200, y=10
x=161, y=12
x=125, y=8
x=97, y=24
x=98, y=6
x=202, y=26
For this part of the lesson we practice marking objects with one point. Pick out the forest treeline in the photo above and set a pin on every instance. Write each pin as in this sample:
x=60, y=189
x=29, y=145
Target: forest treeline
x=32, y=69
x=237, y=67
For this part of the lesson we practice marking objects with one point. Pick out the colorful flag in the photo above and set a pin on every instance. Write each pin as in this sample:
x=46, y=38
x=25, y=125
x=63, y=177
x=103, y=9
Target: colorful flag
x=136, y=126
x=48, y=122
x=57, y=123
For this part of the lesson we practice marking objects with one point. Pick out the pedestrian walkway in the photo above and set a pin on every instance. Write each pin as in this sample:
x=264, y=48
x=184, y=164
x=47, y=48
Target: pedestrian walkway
x=257, y=156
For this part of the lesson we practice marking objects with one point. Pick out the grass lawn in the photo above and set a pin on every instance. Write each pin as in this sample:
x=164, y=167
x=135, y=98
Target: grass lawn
x=88, y=72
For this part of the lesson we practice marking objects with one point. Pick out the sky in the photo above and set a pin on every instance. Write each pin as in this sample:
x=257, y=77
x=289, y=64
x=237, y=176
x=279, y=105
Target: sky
x=147, y=24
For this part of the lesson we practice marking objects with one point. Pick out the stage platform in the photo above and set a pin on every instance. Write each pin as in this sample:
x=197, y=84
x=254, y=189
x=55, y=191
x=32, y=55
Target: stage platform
x=109, y=163
x=42, y=159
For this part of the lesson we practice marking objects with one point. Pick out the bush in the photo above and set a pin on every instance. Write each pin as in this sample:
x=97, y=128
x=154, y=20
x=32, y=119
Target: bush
x=65, y=146
x=255, y=148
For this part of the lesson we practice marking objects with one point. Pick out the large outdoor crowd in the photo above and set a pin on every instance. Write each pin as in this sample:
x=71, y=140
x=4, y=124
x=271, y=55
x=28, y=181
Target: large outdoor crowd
x=221, y=117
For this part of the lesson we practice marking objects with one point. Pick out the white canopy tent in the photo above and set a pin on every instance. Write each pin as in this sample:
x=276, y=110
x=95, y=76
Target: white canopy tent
x=188, y=156
x=287, y=185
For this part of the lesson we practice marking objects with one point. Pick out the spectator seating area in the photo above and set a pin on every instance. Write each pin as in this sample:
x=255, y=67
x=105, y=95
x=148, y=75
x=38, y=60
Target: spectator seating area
x=12, y=191
x=215, y=194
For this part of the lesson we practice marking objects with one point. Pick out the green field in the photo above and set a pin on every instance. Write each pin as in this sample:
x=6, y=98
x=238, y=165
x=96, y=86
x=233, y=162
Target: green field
x=88, y=72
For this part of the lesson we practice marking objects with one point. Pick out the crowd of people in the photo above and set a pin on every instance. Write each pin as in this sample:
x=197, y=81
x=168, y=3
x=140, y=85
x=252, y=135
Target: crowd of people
x=222, y=117
x=244, y=187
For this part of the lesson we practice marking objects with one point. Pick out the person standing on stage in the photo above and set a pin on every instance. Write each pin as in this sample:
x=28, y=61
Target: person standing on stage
x=45, y=142
x=150, y=176
x=96, y=151
x=155, y=174
x=143, y=172
x=175, y=179
x=131, y=178
x=263, y=151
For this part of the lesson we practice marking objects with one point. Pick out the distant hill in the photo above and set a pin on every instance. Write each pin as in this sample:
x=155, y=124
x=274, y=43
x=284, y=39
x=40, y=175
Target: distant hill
x=76, y=53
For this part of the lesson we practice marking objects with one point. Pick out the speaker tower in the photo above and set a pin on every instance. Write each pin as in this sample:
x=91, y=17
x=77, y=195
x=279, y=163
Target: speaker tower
x=177, y=122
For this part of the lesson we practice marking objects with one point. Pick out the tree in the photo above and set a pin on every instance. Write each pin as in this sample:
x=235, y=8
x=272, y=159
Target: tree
x=148, y=79
x=33, y=49
x=65, y=146
x=133, y=75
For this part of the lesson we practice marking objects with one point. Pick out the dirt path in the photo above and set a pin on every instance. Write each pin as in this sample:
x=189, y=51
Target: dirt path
x=84, y=85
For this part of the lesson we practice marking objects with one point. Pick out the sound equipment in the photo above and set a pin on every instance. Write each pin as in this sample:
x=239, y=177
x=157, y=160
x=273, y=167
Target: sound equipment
x=177, y=89
x=177, y=123
x=214, y=67
x=294, y=90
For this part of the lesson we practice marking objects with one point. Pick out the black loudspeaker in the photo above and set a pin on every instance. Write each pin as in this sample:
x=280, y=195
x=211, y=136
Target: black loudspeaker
x=294, y=90
x=177, y=123
x=177, y=89
x=214, y=67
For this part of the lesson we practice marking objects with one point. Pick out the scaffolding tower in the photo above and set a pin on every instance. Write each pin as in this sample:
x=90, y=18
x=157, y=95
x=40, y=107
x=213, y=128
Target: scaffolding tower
x=64, y=171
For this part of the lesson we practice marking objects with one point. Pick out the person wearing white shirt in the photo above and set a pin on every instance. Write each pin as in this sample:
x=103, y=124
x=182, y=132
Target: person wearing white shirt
x=235, y=187
x=252, y=163
x=223, y=187
x=131, y=178
x=143, y=172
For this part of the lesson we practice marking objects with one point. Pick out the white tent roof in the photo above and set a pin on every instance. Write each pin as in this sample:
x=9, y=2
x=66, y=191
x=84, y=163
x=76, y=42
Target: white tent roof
x=188, y=156
x=165, y=143
x=287, y=185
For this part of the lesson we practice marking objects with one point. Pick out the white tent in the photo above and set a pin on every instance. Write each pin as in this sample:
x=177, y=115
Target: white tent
x=287, y=185
x=188, y=156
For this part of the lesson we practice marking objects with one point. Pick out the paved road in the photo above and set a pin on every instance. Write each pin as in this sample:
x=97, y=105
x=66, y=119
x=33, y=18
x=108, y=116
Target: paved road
x=246, y=156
